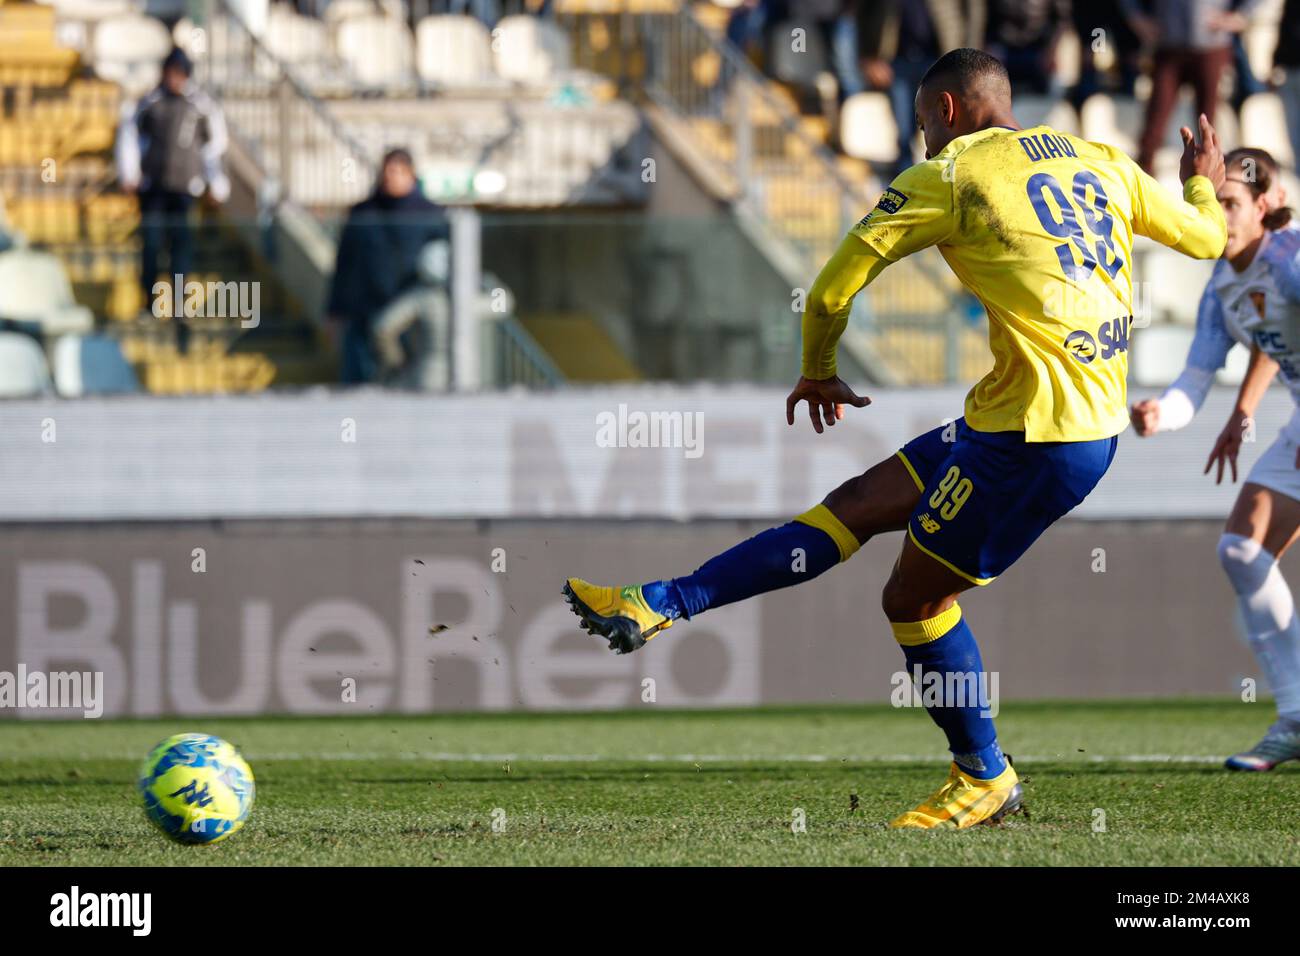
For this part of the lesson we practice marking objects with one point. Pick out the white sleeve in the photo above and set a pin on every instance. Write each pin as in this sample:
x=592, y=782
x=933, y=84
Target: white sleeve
x=213, y=151
x=1208, y=353
x=1184, y=398
x=126, y=149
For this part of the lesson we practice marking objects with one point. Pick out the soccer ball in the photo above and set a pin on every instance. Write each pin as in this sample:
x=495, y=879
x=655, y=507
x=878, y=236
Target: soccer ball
x=196, y=788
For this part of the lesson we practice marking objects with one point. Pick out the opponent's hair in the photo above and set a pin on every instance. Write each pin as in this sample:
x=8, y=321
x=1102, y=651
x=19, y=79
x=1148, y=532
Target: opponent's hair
x=1259, y=171
x=970, y=71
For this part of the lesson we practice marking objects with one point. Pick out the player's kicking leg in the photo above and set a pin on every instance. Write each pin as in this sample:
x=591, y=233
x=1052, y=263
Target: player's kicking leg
x=1263, y=524
x=877, y=501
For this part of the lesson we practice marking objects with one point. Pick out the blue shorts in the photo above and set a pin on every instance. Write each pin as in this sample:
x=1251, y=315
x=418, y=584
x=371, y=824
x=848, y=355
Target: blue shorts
x=987, y=496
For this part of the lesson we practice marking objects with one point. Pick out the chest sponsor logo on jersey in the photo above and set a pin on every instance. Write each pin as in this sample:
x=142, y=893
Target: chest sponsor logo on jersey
x=1272, y=343
x=1109, y=340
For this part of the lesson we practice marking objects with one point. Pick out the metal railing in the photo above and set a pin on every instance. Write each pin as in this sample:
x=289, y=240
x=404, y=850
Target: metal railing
x=785, y=186
x=307, y=155
x=512, y=357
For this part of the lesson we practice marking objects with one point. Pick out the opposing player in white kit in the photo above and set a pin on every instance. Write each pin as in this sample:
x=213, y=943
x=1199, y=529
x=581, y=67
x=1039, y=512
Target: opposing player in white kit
x=1253, y=298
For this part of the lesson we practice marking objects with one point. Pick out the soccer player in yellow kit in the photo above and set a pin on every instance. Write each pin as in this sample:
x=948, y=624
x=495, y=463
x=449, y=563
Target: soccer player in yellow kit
x=1039, y=226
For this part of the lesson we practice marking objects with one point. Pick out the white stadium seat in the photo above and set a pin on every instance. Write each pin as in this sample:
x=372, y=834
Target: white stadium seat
x=1045, y=111
x=1069, y=59
x=378, y=50
x=867, y=128
x=529, y=50
x=1169, y=283
x=91, y=365
x=453, y=51
x=1113, y=120
x=339, y=11
x=35, y=288
x=1260, y=40
x=300, y=42
x=129, y=50
x=93, y=9
x=1157, y=354
x=1263, y=124
x=23, y=372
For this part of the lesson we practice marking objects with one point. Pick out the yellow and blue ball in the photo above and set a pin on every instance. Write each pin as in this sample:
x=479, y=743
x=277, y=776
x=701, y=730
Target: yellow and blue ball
x=196, y=788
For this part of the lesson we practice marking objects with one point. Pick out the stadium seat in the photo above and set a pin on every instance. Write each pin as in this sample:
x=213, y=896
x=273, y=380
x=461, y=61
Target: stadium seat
x=1170, y=283
x=129, y=50
x=1069, y=61
x=300, y=42
x=92, y=10
x=453, y=51
x=91, y=365
x=337, y=11
x=1260, y=39
x=23, y=371
x=1045, y=111
x=1113, y=120
x=867, y=128
x=529, y=50
x=378, y=51
x=34, y=288
x=1263, y=124
x=799, y=68
x=1158, y=354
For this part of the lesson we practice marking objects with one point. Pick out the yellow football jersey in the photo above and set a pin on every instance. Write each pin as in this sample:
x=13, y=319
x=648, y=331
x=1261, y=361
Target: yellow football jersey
x=1039, y=226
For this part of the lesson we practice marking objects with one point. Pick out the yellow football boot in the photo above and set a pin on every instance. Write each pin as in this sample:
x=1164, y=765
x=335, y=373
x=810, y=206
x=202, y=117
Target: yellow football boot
x=966, y=801
x=620, y=615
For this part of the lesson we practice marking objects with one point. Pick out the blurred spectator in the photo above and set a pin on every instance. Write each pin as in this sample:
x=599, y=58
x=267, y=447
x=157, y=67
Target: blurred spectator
x=748, y=24
x=1024, y=35
x=1103, y=26
x=1248, y=84
x=897, y=42
x=1287, y=56
x=412, y=336
x=1193, y=41
x=169, y=151
x=378, y=252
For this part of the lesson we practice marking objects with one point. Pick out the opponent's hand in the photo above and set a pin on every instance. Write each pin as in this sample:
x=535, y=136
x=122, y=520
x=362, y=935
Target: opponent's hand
x=1145, y=416
x=1227, y=446
x=1203, y=159
x=826, y=400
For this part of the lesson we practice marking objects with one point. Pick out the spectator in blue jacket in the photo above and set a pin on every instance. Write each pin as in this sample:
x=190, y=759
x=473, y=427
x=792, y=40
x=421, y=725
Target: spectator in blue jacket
x=377, y=260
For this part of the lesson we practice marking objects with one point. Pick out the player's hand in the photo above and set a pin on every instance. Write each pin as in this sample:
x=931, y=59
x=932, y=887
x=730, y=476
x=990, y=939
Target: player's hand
x=826, y=400
x=1226, y=447
x=1145, y=416
x=878, y=72
x=1204, y=158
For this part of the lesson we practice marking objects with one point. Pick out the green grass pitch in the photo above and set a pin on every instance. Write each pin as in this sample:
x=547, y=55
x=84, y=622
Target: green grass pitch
x=661, y=787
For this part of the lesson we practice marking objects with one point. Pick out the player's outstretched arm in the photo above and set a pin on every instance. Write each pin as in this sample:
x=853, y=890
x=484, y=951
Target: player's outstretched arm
x=1226, y=447
x=825, y=317
x=1195, y=226
x=1183, y=399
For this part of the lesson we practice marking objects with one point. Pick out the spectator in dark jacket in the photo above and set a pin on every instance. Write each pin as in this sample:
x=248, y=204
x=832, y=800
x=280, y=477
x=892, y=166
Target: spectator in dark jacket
x=169, y=152
x=377, y=259
x=897, y=42
x=1287, y=56
x=1025, y=35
